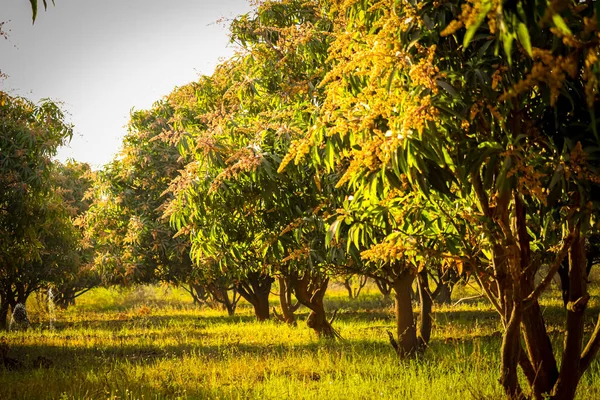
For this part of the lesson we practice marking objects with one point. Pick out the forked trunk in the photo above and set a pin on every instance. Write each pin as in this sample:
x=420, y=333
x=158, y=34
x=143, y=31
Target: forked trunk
x=510, y=356
x=310, y=291
x=570, y=371
x=539, y=351
x=354, y=292
x=385, y=288
x=255, y=289
x=348, y=286
x=285, y=300
x=317, y=320
x=198, y=293
x=443, y=293
x=539, y=356
x=221, y=295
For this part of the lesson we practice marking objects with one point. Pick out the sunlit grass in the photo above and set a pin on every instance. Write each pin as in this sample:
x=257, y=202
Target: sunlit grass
x=152, y=342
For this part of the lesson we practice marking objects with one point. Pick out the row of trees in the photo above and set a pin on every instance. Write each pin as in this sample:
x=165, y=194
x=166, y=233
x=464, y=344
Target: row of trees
x=412, y=142
x=39, y=201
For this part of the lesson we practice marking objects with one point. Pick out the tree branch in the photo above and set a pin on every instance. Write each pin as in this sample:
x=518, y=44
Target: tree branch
x=543, y=285
x=591, y=349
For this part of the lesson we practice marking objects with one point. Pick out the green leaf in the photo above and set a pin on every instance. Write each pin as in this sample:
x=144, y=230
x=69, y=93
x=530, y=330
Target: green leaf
x=34, y=8
x=524, y=38
x=332, y=232
x=391, y=78
x=393, y=179
x=487, y=6
x=507, y=44
x=329, y=155
x=447, y=87
x=557, y=176
x=560, y=23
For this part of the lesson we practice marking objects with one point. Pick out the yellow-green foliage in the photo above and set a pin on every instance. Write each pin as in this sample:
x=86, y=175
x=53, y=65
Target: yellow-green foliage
x=151, y=342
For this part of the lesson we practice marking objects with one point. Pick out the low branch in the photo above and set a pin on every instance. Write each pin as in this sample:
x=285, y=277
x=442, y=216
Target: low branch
x=480, y=193
x=82, y=292
x=333, y=317
x=479, y=296
x=543, y=285
x=488, y=292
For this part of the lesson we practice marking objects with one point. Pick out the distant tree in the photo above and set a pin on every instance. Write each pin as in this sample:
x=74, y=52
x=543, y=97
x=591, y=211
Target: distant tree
x=123, y=223
x=71, y=181
x=132, y=242
x=35, y=227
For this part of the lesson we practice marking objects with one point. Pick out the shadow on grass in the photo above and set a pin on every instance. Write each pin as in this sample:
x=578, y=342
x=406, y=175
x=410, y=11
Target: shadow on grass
x=66, y=357
x=152, y=321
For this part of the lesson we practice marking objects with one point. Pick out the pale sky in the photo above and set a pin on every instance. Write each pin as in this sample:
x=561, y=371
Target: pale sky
x=104, y=57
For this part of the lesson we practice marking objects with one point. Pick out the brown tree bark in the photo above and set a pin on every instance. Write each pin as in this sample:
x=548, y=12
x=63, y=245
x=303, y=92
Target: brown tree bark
x=533, y=327
x=354, y=292
x=443, y=293
x=385, y=288
x=4, y=305
x=255, y=289
x=310, y=288
x=405, y=324
x=510, y=356
x=285, y=299
x=570, y=373
x=221, y=295
x=426, y=302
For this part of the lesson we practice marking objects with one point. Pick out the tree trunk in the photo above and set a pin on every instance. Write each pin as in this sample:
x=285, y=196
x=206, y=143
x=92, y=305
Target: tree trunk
x=348, y=286
x=261, y=308
x=407, y=335
x=285, y=300
x=539, y=350
x=354, y=292
x=510, y=356
x=443, y=293
x=255, y=289
x=198, y=293
x=426, y=302
x=221, y=295
x=4, y=305
x=385, y=288
x=65, y=298
x=563, y=273
x=537, y=342
x=317, y=319
x=310, y=291
x=569, y=375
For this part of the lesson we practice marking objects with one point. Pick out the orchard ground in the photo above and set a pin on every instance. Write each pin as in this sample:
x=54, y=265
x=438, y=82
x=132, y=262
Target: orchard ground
x=151, y=342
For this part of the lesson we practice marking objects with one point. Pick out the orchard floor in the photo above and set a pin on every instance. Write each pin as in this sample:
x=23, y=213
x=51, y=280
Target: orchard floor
x=152, y=343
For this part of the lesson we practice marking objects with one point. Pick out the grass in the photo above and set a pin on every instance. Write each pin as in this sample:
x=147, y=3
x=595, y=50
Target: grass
x=153, y=343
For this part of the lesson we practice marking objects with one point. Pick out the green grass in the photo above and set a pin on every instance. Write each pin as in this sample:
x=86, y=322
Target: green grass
x=152, y=342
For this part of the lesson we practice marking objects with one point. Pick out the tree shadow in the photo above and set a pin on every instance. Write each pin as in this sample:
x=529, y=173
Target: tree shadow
x=150, y=321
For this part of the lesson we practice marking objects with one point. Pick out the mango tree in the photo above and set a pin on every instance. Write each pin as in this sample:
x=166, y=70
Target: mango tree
x=270, y=89
x=34, y=223
x=71, y=181
x=479, y=106
x=132, y=240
